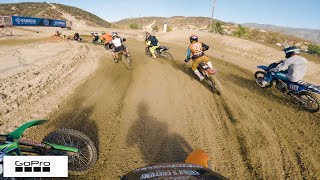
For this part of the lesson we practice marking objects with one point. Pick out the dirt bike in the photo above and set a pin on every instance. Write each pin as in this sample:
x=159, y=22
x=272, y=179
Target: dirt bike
x=196, y=166
x=161, y=52
x=108, y=46
x=208, y=75
x=81, y=151
x=120, y=55
x=78, y=39
x=301, y=92
x=96, y=39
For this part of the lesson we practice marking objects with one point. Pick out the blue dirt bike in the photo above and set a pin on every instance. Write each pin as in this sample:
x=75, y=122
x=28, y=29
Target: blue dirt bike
x=302, y=93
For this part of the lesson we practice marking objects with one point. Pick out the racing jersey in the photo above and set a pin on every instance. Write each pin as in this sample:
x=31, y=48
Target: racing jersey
x=153, y=41
x=196, y=49
x=117, y=42
x=296, y=66
x=106, y=37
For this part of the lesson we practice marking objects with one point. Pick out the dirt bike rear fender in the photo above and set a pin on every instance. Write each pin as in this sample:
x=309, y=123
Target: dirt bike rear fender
x=16, y=134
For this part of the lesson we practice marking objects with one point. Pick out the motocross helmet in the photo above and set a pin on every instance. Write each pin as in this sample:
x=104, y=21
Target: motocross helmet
x=291, y=50
x=114, y=34
x=193, y=37
x=103, y=33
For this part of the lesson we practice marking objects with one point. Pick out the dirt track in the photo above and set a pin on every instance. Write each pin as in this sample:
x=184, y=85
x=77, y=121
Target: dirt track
x=158, y=112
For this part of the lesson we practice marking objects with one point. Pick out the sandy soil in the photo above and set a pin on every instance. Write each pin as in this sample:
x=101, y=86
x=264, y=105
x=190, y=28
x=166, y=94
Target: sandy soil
x=35, y=77
x=158, y=112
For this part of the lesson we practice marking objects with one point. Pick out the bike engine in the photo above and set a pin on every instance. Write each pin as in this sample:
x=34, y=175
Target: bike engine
x=280, y=86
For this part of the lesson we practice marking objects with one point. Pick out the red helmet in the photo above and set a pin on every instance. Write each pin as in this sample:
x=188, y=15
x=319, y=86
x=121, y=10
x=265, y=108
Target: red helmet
x=193, y=37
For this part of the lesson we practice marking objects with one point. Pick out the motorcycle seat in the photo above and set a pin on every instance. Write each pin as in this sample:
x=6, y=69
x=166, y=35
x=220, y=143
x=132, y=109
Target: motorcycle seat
x=162, y=47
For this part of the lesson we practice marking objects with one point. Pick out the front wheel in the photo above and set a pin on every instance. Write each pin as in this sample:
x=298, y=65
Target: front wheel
x=85, y=158
x=307, y=101
x=259, y=75
x=148, y=53
x=166, y=55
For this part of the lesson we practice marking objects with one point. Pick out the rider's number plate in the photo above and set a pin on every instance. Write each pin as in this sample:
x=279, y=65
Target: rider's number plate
x=294, y=87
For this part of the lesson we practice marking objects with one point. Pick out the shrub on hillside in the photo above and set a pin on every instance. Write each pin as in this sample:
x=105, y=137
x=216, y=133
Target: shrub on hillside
x=155, y=28
x=134, y=26
x=273, y=38
x=241, y=31
x=314, y=49
x=218, y=27
x=255, y=34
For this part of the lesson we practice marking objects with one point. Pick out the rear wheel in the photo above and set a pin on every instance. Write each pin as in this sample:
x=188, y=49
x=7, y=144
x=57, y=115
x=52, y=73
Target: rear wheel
x=213, y=85
x=166, y=55
x=259, y=75
x=80, y=162
x=307, y=101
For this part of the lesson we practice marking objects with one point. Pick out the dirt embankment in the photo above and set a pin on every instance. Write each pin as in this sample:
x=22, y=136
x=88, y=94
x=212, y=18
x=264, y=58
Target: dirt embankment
x=36, y=76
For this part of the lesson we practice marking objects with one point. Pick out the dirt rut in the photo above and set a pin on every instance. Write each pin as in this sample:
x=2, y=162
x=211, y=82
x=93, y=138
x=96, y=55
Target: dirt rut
x=158, y=112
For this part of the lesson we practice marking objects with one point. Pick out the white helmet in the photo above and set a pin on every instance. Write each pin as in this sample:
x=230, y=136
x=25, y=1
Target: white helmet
x=114, y=34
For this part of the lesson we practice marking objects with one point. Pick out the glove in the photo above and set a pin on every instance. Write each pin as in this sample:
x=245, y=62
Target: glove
x=186, y=60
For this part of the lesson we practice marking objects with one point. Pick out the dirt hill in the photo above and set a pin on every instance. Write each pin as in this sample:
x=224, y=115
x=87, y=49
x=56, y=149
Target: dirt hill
x=175, y=22
x=78, y=16
x=267, y=37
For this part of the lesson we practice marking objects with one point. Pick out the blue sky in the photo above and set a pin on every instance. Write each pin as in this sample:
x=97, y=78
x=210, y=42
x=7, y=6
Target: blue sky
x=290, y=13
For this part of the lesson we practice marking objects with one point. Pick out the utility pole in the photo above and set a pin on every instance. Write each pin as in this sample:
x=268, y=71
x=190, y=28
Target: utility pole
x=214, y=4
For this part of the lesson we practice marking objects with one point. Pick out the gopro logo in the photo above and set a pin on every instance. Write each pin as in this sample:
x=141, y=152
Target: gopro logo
x=32, y=166
x=35, y=166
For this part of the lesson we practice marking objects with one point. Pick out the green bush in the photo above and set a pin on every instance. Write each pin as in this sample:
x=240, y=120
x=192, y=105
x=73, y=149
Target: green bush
x=255, y=34
x=218, y=27
x=314, y=49
x=155, y=28
x=240, y=32
x=134, y=26
x=273, y=38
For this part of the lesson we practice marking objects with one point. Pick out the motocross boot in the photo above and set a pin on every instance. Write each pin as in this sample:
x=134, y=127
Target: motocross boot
x=197, y=72
x=210, y=65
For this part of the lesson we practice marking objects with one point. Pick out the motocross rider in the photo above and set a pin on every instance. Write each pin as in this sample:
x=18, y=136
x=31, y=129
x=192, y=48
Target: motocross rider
x=291, y=69
x=197, y=49
x=95, y=37
x=76, y=36
x=117, y=44
x=152, y=43
x=107, y=38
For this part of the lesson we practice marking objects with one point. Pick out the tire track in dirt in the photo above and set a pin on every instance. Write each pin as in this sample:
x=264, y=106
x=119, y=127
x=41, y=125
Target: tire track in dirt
x=284, y=113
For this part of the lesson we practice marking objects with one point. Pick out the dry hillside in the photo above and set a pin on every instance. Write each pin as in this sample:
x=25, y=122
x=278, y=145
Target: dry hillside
x=265, y=37
x=53, y=11
x=175, y=22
